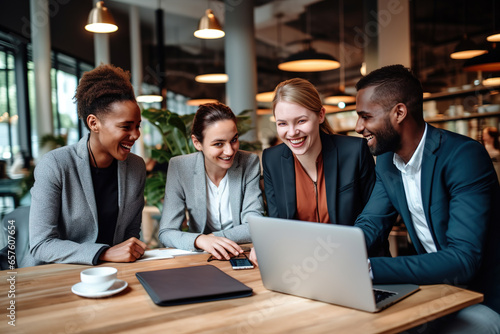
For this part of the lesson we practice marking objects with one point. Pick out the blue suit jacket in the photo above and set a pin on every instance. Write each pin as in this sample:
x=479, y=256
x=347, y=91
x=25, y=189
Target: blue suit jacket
x=461, y=200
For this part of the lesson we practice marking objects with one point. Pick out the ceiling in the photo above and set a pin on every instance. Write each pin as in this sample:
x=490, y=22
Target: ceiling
x=436, y=28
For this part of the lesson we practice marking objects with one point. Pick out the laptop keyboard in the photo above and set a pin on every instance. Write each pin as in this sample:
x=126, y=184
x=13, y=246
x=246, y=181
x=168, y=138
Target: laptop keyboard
x=381, y=295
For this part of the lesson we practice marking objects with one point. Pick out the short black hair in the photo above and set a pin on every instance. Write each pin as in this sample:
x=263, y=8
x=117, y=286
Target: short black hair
x=101, y=87
x=395, y=84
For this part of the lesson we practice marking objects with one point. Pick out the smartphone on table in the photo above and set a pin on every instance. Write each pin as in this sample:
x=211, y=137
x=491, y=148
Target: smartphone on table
x=241, y=262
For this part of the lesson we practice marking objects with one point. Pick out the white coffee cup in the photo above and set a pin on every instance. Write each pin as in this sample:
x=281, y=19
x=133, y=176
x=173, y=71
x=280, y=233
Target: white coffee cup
x=98, y=279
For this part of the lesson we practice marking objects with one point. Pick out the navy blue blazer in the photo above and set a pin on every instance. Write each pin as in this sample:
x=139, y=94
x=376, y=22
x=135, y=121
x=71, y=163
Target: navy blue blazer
x=349, y=179
x=461, y=200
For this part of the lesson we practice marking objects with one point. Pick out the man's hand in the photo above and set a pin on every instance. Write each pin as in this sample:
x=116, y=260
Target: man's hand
x=127, y=251
x=253, y=257
x=219, y=247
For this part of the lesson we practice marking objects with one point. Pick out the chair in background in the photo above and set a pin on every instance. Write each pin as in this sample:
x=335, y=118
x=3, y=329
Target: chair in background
x=17, y=223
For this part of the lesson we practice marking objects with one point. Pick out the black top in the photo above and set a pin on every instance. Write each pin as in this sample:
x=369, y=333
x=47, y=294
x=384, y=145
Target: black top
x=105, y=181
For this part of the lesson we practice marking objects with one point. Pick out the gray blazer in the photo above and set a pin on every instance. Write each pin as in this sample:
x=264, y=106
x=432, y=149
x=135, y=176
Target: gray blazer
x=186, y=191
x=63, y=215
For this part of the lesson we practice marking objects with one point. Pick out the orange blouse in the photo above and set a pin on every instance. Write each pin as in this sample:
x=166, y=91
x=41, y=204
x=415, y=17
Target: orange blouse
x=311, y=196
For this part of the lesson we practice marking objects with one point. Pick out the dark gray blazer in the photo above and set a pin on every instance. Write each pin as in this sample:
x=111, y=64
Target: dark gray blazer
x=186, y=190
x=63, y=215
x=349, y=177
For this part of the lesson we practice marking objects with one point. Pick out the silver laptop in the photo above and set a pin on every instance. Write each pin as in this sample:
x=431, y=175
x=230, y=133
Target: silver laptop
x=324, y=262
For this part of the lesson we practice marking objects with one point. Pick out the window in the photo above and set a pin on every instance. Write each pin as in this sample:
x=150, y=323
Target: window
x=9, y=143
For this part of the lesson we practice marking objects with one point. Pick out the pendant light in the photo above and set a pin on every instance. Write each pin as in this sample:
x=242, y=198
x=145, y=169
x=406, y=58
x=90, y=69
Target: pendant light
x=212, y=78
x=466, y=48
x=265, y=97
x=154, y=98
x=209, y=27
x=489, y=62
x=309, y=60
x=214, y=73
x=268, y=96
x=200, y=101
x=340, y=98
x=149, y=98
x=100, y=20
x=495, y=36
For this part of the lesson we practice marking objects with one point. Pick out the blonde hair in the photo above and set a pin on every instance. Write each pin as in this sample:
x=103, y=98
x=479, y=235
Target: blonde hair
x=303, y=93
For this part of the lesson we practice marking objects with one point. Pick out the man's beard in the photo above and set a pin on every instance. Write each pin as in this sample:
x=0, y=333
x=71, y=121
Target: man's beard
x=387, y=140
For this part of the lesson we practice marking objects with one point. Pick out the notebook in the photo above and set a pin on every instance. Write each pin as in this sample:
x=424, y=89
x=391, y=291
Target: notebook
x=188, y=285
x=325, y=262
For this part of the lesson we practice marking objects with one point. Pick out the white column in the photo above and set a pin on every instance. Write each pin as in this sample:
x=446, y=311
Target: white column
x=394, y=32
x=101, y=46
x=135, y=49
x=136, y=64
x=40, y=36
x=240, y=58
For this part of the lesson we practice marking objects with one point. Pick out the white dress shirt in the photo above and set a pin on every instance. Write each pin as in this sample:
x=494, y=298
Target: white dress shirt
x=411, y=175
x=219, y=215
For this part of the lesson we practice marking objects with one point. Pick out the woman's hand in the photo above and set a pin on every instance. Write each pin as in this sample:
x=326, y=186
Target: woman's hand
x=127, y=251
x=219, y=247
x=253, y=257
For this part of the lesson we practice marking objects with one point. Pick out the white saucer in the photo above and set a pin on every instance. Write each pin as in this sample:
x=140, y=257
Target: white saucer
x=82, y=290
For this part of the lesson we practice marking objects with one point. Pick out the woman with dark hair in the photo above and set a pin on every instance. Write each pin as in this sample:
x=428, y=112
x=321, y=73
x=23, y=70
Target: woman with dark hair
x=217, y=188
x=87, y=199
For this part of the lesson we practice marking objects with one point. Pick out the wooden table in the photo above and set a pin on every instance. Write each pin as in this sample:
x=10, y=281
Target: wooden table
x=44, y=303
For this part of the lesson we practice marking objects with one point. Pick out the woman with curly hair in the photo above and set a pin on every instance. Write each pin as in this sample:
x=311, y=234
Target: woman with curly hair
x=87, y=199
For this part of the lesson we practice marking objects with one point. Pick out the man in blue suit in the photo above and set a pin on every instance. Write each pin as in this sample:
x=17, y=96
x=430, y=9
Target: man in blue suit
x=444, y=187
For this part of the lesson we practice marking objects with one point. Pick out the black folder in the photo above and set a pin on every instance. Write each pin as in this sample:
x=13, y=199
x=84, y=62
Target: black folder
x=188, y=285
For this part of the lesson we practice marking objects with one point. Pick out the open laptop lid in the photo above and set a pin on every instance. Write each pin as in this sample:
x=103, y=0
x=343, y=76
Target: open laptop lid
x=325, y=262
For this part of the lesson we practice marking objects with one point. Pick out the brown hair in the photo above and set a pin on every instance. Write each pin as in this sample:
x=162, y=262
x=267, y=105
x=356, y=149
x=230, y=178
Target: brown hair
x=101, y=87
x=303, y=93
x=207, y=114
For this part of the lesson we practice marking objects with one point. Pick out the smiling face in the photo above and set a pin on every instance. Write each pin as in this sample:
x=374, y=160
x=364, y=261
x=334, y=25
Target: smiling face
x=298, y=128
x=114, y=132
x=374, y=123
x=219, y=146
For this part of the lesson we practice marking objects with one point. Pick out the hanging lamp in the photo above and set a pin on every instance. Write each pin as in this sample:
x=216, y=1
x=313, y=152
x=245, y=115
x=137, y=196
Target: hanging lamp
x=151, y=98
x=340, y=98
x=100, y=20
x=309, y=60
x=489, y=62
x=495, y=36
x=265, y=97
x=467, y=49
x=200, y=101
x=212, y=78
x=209, y=27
